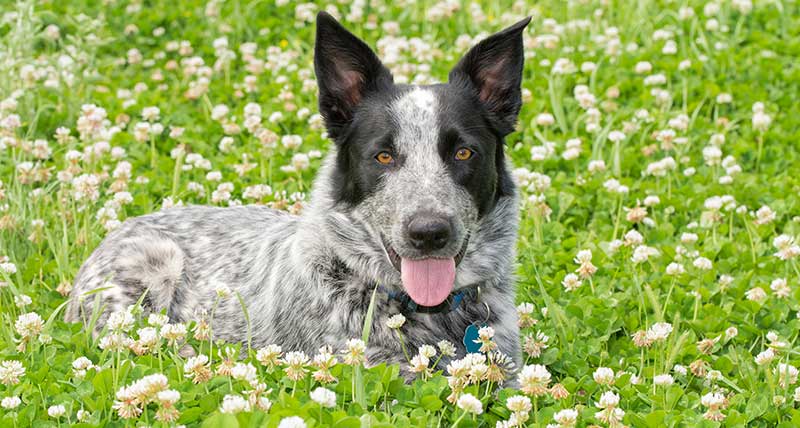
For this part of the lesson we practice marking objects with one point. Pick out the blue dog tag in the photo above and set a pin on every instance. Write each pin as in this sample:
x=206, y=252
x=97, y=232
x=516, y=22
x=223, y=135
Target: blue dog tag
x=470, y=338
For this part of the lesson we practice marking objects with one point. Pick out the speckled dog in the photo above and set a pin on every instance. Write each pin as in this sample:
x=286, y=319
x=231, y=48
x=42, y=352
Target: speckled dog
x=415, y=199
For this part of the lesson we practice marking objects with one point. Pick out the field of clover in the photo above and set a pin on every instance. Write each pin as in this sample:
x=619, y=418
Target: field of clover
x=657, y=156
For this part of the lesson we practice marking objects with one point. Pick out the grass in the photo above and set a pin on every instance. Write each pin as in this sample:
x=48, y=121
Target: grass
x=691, y=219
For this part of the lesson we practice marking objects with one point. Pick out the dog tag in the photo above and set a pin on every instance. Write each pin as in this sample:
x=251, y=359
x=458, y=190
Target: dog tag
x=470, y=337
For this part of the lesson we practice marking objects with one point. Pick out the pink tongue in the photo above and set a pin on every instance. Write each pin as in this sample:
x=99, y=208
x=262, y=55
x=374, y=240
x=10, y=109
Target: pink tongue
x=428, y=281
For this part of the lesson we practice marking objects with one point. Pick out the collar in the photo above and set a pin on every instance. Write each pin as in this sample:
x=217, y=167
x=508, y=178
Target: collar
x=453, y=301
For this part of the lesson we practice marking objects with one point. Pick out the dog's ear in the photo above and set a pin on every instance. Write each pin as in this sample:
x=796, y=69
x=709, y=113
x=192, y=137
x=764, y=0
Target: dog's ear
x=493, y=70
x=347, y=70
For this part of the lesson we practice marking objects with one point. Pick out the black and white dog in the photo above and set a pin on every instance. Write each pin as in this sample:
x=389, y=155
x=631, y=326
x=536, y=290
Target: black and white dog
x=415, y=198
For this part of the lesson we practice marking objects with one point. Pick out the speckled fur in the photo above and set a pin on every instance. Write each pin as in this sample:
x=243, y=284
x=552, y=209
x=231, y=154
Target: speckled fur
x=307, y=280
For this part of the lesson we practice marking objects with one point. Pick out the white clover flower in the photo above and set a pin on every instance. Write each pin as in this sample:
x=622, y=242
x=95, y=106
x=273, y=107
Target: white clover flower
x=571, y=282
x=10, y=403
x=609, y=399
x=633, y=237
x=56, y=411
x=588, y=67
x=786, y=373
x=234, y=403
x=245, y=372
x=781, y=288
x=651, y=201
x=396, y=321
x=173, y=332
x=120, y=321
x=765, y=357
x=663, y=380
x=765, y=215
x=169, y=396
x=688, y=238
x=643, y=253
x=616, y=136
x=743, y=6
x=82, y=363
x=675, y=269
x=659, y=331
x=612, y=185
x=603, y=376
x=447, y=348
x=518, y=403
x=724, y=98
x=583, y=256
x=11, y=371
x=525, y=308
x=712, y=400
x=151, y=114
x=566, y=418
x=470, y=404
x=761, y=121
x=222, y=290
x=157, y=320
x=702, y=263
x=292, y=422
x=712, y=155
x=219, y=112
x=772, y=336
x=545, y=119
x=563, y=66
x=9, y=268
x=429, y=351
x=596, y=166
x=756, y=294
x=324, y=397
x=29, y=325
x=534, y=379
x=643, y=67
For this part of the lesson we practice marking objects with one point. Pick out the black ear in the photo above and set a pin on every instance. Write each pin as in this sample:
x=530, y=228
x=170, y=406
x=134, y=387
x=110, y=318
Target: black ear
x=493, y=69
x=347, y=70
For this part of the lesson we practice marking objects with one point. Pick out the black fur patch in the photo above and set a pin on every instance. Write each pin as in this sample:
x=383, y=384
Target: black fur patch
x=477, y=109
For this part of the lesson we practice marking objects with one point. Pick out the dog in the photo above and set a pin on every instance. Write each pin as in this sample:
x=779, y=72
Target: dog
x=414, y=202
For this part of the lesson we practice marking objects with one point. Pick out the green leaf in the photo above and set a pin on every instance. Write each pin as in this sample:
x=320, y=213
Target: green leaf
x=221, y=420
x=431, y=402
x=756, y=406
x=348, y=422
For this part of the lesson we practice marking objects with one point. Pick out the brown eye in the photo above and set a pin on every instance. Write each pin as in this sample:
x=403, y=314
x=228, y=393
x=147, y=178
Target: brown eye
x=463, y=154
x=384, y=158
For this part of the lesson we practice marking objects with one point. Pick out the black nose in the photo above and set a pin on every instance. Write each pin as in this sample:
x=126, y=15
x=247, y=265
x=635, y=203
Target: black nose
x=427, y=232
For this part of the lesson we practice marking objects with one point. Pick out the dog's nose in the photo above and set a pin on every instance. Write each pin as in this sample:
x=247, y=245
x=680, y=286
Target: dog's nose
x=428, y=232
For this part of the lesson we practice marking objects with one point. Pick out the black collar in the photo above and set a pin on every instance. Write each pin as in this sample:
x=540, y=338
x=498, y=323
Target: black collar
x=453, y=301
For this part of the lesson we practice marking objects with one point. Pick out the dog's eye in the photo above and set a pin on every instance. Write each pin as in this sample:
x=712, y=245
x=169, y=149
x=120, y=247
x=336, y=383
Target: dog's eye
x=463, y=154
x=384, y=158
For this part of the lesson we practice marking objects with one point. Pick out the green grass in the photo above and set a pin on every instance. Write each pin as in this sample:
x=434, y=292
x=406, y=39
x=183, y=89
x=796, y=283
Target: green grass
x=48, y=226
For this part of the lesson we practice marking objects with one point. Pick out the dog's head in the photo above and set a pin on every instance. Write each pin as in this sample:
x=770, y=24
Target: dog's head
x=420, y=165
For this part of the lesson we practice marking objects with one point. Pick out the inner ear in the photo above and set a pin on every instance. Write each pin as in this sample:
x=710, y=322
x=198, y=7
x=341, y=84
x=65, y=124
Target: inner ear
x=492, y=70
x=347, y=71
x=491, y=81
x=352, y=87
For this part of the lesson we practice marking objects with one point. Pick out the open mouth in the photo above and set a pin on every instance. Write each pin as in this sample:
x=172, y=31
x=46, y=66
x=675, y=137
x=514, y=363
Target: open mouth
x=396, y=260
x=428, y=281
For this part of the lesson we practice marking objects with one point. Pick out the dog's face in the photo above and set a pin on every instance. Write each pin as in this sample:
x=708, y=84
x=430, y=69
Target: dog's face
x=420, y=165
